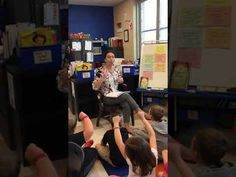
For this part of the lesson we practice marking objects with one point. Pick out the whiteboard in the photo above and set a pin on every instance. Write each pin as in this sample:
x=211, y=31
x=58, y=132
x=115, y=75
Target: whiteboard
x=154, y=65
x=217, y=65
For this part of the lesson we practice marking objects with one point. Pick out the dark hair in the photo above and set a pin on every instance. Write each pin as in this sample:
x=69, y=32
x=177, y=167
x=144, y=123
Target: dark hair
x=139, y=152
x=39, y=35
x=108, y=51
x=157, y=112
x=211, y=145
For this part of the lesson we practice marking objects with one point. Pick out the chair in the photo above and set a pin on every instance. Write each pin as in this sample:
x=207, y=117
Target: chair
x=106, y=111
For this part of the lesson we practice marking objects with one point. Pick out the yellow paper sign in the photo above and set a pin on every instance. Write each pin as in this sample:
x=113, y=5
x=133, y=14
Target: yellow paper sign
x=161, y=48
x=218, y=38
x=217, y=2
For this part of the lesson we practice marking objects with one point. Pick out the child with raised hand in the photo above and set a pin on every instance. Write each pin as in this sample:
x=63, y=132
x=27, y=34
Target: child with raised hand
x=82, y=138
x=159, y=123
x=108, y=150
x=10, y=162
x=139, y=155
x=208, y=147
x=37, y=157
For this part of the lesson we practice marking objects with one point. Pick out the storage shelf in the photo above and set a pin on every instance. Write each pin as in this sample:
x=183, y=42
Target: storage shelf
x=99, y=41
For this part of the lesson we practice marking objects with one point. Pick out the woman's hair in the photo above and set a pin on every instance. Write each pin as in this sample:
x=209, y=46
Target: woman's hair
x=211, y=145
x=140, y=155
x=157, y=112
x=108, y=51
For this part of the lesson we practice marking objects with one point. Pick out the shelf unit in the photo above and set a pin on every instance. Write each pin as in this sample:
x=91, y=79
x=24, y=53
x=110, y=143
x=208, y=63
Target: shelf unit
x=97, y=46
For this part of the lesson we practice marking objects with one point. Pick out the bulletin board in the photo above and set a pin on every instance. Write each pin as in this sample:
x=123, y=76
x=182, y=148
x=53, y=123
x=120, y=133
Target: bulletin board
x=202, y=33
x=154, y=65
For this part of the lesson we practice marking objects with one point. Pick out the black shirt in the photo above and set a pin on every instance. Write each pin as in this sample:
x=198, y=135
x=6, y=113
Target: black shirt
x=115, y=155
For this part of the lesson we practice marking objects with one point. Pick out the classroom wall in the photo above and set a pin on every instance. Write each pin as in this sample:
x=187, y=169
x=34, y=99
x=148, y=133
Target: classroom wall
x=95, y=20
x=125, y=13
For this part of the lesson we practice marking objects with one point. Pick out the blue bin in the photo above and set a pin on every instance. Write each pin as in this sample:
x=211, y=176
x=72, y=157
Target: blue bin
x=84, y=75
x=46, y=57
x=128, y=70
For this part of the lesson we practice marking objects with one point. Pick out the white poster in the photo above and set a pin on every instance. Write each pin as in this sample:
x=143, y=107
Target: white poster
x=51, y=14
x=11, y=90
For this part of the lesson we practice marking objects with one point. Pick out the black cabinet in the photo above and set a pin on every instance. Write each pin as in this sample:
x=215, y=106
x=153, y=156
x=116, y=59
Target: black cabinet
x=38, y=111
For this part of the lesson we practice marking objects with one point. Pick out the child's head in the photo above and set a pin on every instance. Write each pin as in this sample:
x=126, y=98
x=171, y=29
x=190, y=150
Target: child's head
x=72, y=121
x=9, y=163
x=210, y=146
x=139, y=152
x=156, y=112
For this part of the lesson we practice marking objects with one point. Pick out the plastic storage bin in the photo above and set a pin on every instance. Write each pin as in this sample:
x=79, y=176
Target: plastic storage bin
x=84, y=75
x=46, y=57
x=128, y=70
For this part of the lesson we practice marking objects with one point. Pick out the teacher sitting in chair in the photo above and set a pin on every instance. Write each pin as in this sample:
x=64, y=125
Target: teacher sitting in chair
x=107, y=78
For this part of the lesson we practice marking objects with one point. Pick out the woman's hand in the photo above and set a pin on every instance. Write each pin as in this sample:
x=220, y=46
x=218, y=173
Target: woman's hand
x=120, y=80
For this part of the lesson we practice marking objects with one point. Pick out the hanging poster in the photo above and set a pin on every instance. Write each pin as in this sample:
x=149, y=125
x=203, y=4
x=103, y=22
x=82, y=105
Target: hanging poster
x=153, y=66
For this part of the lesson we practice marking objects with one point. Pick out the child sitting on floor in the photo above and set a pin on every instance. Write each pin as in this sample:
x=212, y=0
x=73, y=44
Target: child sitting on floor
x=109, y=151
x=139, y=155
x=83, y=139
x=159, y=123
x=208, y=148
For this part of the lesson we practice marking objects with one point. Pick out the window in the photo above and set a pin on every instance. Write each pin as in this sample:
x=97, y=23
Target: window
x=153, y=20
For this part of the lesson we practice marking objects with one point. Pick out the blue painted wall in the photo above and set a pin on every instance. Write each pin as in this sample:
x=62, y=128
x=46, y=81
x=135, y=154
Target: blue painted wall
x=98, y=21
x=95, y=20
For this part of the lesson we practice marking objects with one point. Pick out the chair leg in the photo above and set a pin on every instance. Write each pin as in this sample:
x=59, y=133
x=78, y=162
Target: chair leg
x=132, y=118
x=99, y=115
x=98, y=119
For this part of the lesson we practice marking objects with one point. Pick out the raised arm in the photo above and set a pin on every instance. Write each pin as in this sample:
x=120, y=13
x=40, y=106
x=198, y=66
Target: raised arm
x=38, y=158
x=148, y=127
x=99, y=79
x=117, y=134
x=175, y=156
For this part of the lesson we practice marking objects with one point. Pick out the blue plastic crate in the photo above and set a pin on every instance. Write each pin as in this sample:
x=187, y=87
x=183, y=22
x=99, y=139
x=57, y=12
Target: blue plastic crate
x=46, y=57
x=151, y=100
x=128, y=70
x=84, y=75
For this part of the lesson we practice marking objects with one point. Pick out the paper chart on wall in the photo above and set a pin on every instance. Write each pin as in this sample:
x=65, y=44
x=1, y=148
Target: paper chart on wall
x=153, y=65
x=218, y=38
x=218, y=16
x=217, y=2
x=190, y=17
x=191, y=56
x=190, y=38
